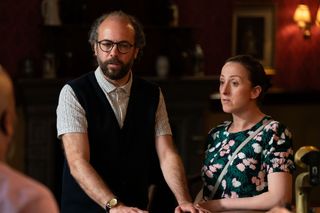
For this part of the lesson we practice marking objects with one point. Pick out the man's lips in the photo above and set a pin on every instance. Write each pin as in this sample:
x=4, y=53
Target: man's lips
x=114, y=65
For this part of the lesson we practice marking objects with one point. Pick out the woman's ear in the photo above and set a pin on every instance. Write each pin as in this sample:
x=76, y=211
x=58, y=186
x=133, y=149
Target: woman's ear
x=256, y=91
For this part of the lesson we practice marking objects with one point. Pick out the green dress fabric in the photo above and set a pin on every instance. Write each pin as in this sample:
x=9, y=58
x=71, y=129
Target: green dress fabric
x=269, y=151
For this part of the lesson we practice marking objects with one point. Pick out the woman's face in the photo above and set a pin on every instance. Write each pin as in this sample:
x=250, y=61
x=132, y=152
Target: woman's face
x=236, y=91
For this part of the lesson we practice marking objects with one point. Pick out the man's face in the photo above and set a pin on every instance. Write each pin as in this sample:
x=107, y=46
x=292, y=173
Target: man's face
x=114, y=64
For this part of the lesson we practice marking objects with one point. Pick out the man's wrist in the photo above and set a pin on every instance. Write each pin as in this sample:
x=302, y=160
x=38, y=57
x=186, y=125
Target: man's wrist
x=111, y=204
x=184, y=202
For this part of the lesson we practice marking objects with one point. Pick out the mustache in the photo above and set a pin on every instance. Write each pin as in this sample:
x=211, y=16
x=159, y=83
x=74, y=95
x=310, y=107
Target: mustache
x=114, y=61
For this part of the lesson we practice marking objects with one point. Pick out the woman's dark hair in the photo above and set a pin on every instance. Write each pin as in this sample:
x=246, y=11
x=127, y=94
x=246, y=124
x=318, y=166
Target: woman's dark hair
x=257, y=74
x=140, y=40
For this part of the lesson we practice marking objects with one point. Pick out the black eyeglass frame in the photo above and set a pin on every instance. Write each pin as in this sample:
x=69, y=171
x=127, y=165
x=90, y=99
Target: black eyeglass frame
x=112, y=43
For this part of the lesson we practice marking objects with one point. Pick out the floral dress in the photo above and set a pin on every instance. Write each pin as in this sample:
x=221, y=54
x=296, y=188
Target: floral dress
x=269, y=151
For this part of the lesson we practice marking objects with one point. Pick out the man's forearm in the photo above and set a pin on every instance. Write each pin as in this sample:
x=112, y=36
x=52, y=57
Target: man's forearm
x=91, y=182
x=175, y=177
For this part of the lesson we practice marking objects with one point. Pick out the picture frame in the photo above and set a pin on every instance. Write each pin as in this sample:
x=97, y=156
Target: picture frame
x=253, y=31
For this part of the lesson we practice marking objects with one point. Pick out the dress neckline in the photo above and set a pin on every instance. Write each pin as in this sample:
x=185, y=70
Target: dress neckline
x=253, y=128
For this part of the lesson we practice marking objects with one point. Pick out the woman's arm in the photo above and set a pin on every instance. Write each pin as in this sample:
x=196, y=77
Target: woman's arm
x=279, y=193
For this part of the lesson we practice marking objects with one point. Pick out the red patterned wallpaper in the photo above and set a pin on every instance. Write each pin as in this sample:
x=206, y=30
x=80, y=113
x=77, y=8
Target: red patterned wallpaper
x=297, y=61
x=20, y=23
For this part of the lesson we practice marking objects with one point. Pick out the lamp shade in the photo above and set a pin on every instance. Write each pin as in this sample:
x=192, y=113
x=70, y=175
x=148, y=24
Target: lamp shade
x=318, y=17
x=302, y=15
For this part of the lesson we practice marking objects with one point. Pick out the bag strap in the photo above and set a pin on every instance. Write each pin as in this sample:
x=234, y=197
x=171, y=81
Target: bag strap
x=224, y=171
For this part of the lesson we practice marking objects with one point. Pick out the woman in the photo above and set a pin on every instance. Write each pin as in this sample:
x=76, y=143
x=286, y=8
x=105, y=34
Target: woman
x=260, y=176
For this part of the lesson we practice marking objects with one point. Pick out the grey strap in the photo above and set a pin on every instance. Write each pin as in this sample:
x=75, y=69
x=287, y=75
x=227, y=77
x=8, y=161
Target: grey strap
x=224, y=171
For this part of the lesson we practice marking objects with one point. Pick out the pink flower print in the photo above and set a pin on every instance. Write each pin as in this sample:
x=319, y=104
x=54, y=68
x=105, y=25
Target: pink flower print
x=231, y=143
x=258, y=138
x=209, y=174
x=281, y=161
x=246, y=162
x=281, y=141
x=224, y=184
x=215, y=135
x=261, y=186
x=226, y=147
x=222, y=153
x=259, y=181
x=204, y=169
x=283, y=154
x=218, y=144
x=212, y=149
x=253, y=167
x=252, y=160
x=274, y=127
x=256, y=148
x=235, y=182
x=213, y=168
x=219, y=166
x=234, y=195
x=241, y=155
x=255, y=180
x=241, y=167
x=284, y=167
x=267, y=127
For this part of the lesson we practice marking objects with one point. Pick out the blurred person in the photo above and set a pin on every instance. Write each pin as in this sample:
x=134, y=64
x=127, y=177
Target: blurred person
x=115, y=129
x=259, y=176
x=18, y=193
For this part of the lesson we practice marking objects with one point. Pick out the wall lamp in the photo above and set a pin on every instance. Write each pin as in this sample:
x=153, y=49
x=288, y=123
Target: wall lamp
x=302, y=17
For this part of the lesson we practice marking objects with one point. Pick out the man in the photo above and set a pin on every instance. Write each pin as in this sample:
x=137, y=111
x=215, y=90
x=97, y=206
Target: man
x=18, y=193
x=113, y=125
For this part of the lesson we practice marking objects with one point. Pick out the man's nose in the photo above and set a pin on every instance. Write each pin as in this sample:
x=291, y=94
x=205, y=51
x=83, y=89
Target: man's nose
x=114, y=51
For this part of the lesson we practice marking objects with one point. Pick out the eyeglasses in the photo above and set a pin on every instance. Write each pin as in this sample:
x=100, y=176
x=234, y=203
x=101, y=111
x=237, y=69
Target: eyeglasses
x=122, y=46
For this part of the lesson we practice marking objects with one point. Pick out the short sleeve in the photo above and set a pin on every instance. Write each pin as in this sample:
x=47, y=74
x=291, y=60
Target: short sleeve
x=70, y=114
x=278, y=151
x=162, y=125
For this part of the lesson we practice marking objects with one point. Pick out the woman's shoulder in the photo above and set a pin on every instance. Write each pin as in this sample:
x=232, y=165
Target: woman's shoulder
x=275, y=125
x=219, y=127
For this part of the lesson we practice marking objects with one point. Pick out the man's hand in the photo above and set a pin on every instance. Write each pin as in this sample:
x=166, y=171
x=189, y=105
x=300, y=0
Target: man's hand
x=125, y=209
x=189, y=207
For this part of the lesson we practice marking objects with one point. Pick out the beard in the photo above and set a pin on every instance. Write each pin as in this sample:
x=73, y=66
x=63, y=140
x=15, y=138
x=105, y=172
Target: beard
x=115, y=74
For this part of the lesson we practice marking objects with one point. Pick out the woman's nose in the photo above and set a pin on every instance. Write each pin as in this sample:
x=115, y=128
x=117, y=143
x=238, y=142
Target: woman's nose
x=224, y=88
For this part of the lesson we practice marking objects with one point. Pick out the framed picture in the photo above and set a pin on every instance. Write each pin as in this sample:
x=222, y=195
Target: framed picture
x=253, y=31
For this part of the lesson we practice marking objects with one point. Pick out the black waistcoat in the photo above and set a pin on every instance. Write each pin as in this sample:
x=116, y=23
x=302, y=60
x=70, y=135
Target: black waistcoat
x=125, y=158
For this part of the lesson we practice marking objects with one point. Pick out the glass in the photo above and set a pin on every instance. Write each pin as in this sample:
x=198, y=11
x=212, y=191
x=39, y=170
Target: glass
x=122, y=46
